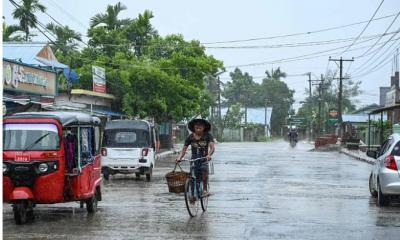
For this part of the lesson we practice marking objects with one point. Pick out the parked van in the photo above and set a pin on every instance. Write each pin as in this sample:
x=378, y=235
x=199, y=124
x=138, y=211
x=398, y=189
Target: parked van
x=129, y=146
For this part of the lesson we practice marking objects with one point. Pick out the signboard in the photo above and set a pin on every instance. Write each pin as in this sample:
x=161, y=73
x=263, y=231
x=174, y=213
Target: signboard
x=99, y=79
x=22, y=78
x=333, y=113
x=332, y=121
x=297, y=121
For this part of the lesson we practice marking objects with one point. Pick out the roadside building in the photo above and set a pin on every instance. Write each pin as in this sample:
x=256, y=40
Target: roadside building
x=95, y=103
x=382, y=95
x=30, y=72
x=31, y=82
x=391, y=110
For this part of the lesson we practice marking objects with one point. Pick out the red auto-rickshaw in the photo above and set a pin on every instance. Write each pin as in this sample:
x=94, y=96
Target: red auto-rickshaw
x=50, y=157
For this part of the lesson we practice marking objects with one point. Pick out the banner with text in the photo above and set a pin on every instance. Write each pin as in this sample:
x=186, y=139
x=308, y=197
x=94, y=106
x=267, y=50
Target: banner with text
x=99, y=79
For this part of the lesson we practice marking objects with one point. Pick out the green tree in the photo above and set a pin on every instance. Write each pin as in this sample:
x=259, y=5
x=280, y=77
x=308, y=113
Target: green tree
x=240, y=90
x=165, y=78
x=276, y=74
x=278, y=95
x=329, y=99
x=25, y=13
x=66, y=38
x=234, y=116
x=140, y=31
x=9, y=33
x=110, y=18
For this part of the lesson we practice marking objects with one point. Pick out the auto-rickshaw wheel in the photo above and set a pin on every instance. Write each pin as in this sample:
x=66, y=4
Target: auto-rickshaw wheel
x=91, y=203
x=137, y=176
x=22, y=213
x=106, y=175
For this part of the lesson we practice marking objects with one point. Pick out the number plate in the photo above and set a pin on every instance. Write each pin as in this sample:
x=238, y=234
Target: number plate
x=21, y=157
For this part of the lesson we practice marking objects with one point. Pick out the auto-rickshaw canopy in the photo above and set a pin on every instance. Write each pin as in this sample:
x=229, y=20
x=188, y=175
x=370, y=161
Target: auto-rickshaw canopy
x=65, y=118
x=128, y=124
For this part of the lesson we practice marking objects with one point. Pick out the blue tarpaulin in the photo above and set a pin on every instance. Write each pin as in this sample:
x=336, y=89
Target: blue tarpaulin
x=71, y=75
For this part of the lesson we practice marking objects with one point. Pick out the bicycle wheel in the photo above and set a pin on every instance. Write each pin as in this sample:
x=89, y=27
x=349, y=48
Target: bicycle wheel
x=192, y=203
x=204, y=199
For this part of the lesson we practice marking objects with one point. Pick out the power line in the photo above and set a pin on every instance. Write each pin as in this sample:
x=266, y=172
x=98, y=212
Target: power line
x=298, y=44
x=365, y=65
x=67, y=13
x=276, y=61
x=298, y=34
x=387, y=29
x=381, y=64
x=365, y=28
x=323, y=53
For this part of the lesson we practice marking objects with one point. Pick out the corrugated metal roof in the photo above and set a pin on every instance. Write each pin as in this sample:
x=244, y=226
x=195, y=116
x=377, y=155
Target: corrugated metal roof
x=360, y=118
x=26, y=52
x=355, y=118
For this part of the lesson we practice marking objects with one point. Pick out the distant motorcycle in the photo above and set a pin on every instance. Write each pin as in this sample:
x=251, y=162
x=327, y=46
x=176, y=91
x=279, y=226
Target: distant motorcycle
x=293, y=142
x=292, y=135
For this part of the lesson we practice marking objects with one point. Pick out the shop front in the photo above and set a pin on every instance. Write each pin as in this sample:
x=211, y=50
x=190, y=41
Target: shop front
x=27, y=87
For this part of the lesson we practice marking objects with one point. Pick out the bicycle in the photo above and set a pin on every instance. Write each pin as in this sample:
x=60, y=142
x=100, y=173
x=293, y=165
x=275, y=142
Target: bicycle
x=194, y=190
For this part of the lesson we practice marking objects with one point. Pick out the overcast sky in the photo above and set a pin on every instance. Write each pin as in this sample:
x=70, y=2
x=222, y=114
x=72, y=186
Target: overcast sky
x=223, y=20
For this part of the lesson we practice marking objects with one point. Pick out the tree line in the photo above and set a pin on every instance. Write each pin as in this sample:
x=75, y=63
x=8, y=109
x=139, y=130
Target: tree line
x=165, y=77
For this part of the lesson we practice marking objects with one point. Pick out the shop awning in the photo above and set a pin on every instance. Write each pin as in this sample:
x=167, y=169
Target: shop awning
x=108, y=112
x=385, y=109
x=92, y=93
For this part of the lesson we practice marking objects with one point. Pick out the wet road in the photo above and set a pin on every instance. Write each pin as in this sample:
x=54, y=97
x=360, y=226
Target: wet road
x=260, y=191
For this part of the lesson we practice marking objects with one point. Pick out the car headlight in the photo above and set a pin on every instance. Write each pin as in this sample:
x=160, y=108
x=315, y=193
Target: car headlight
x=5, y=168
x=43, y=167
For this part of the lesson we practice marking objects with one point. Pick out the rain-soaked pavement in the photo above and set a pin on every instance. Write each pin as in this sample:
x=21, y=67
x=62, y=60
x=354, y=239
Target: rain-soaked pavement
x=260, y=191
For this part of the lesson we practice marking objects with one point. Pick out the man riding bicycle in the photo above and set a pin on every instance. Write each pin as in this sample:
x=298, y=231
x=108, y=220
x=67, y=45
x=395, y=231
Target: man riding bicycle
x=202, y=145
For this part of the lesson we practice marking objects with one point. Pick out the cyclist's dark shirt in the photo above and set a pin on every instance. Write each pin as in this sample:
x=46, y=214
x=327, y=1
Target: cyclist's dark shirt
x=199, y=146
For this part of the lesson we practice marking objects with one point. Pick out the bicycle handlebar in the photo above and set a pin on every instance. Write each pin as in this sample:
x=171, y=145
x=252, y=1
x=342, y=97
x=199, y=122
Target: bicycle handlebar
x=192, y=160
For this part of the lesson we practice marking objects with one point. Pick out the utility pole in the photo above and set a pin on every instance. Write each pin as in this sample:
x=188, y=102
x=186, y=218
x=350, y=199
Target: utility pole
x=322, y=101
x=266, y=122
x=320, y=85
x=310, y=83
x=340, y=96
x=219, y=109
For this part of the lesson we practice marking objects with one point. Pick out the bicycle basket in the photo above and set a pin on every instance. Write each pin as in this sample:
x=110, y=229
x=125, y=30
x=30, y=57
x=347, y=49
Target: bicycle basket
x=176, y=180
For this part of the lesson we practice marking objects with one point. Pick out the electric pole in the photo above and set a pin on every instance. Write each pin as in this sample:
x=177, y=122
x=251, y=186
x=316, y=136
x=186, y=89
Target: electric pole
x=219, y=109
x=310, y=84
x=340, y=95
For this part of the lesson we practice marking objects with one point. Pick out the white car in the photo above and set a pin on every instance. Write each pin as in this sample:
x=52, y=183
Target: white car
x=129, y=146
x=384, y=180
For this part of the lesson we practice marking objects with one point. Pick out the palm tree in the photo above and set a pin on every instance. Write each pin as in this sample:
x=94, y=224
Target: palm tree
x=275, y=74
x=110, y=18
x=9, y=30
x=140, y=31
x=66, y=38
x=25, y=13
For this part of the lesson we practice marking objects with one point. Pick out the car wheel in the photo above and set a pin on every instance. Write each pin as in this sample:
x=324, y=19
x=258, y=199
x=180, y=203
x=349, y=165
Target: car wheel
x=372, y=191
x=149, y=175
x=383, y=200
